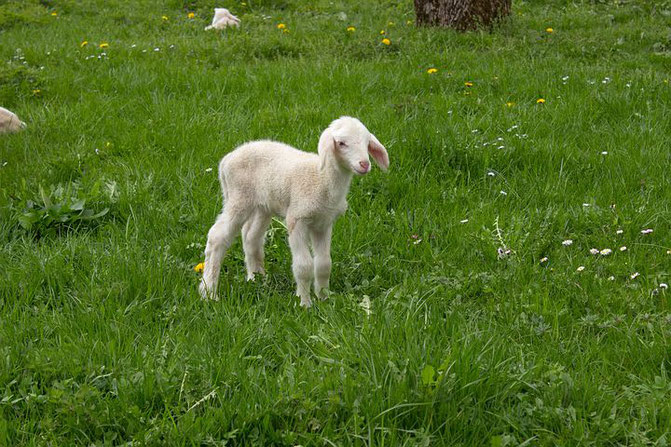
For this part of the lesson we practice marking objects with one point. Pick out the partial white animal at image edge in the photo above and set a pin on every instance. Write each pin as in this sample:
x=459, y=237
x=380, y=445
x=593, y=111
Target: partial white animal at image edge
x=9, y=122
x=266, y=178
x=222, y=19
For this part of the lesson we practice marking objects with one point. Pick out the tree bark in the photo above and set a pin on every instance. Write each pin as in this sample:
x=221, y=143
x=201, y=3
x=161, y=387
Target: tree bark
x=461, y=14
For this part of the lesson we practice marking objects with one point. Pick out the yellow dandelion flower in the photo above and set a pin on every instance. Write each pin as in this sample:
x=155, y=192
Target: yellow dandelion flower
x=432, y=71
x=104, y=45
x=540, y=101
x=468, y=84
x=83, y=44
x=54, y=14
x=351, y=29
x=510, y=104
x=285, y=31
x=199, y=268
x=382, y=32
x=37, y=91
x=386, y=41
x=191, y=15
x=549, y=30
x=165, y=18
x=281, y=26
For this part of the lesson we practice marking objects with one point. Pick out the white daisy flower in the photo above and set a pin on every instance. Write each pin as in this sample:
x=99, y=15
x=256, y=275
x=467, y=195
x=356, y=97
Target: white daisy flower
x=619, y=232
x=623, y=248
x=611, y=278
x=567, y=242
x=463, y=221
x=365, y=304
x=594, y=251
x=606, y=252
x=647, y=231
x=581, y=268
x=634, y=275
x=544, y=259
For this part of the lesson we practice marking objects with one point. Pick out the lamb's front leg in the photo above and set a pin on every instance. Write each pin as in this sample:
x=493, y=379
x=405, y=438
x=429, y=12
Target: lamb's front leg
x=302, y=260
x=321, y=245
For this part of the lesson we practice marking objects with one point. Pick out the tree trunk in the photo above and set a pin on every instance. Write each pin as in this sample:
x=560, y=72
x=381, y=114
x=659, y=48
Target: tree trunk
x=461, y=14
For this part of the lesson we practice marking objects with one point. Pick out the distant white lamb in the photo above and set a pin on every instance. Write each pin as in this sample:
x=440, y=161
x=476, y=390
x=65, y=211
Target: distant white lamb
x=222, y=19
x=265, y=178
x=9, y=122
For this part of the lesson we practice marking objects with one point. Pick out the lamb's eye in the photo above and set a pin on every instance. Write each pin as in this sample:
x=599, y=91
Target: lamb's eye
x=342, y=144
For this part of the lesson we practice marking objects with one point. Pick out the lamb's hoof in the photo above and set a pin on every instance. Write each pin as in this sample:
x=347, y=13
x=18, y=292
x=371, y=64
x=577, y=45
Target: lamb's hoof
x=252, y=276
x=306, y=303
x=207, y=293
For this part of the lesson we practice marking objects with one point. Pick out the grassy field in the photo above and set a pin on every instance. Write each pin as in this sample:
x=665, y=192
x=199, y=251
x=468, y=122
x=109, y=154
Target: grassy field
x=106, y=199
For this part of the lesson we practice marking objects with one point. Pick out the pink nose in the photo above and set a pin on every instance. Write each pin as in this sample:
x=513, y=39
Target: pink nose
x=365, y=165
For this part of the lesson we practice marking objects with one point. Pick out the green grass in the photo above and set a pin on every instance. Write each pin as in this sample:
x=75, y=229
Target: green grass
x=104, y=340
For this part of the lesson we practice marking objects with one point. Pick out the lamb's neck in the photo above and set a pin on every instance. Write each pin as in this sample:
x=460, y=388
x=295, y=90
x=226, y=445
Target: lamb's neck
x=337, y=182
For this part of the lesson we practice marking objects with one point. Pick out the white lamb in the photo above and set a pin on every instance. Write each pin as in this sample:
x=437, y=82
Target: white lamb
x=265, y=178
x=222, y=19
x=9, y=122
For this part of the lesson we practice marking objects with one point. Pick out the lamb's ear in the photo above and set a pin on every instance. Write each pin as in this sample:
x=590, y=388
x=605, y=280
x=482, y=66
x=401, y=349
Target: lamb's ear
x=326, y=145
x=378, y=152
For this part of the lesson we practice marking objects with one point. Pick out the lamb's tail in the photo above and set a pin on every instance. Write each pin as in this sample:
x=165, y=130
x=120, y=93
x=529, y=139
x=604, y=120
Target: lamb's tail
x=222, y=178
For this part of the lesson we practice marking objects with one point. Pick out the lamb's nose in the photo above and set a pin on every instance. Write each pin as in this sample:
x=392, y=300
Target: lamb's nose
x=365, y=165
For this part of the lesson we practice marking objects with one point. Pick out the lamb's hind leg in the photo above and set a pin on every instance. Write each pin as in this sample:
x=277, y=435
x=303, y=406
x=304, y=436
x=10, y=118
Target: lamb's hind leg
x=219, y=239
x=253, y=233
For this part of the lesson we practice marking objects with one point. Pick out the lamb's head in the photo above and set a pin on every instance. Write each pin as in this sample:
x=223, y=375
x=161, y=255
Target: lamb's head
x=348, y=143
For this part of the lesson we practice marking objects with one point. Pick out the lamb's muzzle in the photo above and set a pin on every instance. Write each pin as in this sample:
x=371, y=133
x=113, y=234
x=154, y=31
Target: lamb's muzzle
x=265, y=178
x=9, y=122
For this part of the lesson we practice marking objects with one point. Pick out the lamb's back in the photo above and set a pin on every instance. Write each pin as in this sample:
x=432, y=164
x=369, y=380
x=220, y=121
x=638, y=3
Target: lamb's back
x=264, y=172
